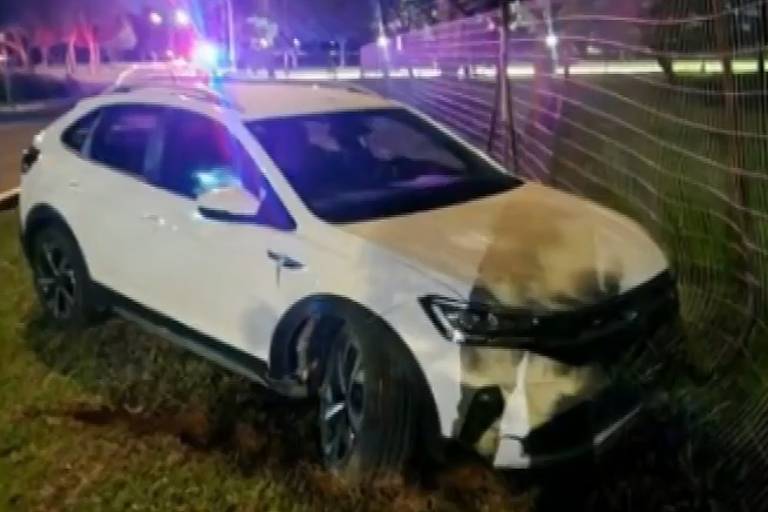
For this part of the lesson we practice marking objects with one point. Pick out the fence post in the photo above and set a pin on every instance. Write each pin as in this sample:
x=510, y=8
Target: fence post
x=503, y=100
x=738, y=192
x=507, y=99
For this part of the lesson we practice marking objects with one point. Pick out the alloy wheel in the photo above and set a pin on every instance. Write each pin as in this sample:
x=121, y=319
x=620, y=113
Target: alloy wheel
x=56, y=280
x=342, y=401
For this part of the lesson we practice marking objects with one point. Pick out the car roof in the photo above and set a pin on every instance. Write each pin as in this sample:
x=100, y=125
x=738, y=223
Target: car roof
x=255, y=101
x=259, y=101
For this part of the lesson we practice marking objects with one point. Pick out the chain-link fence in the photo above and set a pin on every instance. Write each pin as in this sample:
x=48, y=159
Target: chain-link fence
x=656, y=108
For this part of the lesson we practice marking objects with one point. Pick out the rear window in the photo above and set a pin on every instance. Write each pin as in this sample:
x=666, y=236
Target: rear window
x=125, y=135
x=77, y=134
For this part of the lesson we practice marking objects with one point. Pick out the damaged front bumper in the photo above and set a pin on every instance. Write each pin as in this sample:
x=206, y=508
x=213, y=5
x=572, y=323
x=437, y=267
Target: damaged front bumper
x=582, y=431
x=523, y=408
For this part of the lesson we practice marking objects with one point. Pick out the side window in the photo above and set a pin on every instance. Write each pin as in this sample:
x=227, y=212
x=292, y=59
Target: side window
x=390, y=139
x=77, y=134
x=126, y=135
x=202, y=155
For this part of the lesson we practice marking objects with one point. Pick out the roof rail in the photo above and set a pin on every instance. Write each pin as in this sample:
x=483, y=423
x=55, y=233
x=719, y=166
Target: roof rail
x=169, y=71
x=190, y=90
x=349, y=87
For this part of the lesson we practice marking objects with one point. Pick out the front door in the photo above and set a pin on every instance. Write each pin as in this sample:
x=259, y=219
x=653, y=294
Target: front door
x=222, y=278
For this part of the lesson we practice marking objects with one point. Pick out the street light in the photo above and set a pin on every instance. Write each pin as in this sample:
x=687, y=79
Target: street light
x=182, y=18
x=231, y=32
x=155, y=18
x=551, y=40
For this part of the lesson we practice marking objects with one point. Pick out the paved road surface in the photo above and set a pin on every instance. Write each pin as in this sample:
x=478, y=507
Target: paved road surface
x=14, y=138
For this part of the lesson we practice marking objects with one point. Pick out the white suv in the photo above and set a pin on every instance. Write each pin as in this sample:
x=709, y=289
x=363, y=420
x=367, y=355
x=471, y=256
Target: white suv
x=328, y=242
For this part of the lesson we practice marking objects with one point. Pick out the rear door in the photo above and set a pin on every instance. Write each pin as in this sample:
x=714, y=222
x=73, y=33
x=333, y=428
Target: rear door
x=219, y=277
x=107, y=195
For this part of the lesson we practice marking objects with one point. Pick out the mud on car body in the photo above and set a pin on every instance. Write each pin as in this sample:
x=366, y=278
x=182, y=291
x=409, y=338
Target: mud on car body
x=333, y=243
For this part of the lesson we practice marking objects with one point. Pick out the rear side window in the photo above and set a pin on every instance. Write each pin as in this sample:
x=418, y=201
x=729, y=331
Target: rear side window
x=77, y=134
x=127, y=137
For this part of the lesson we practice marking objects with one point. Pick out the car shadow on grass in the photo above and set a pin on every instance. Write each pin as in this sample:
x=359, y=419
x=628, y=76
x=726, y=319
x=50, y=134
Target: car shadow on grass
x=147, y=386
x=150, y=386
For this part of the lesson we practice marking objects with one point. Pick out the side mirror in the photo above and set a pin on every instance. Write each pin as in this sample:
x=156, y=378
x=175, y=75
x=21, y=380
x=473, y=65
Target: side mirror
x=231, y=203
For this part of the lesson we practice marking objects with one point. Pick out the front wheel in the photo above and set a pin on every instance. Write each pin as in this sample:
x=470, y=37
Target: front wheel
x=366, y=406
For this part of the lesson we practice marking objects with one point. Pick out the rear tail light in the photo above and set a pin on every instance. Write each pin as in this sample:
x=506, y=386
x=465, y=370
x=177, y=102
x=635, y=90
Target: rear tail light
x=28, y=159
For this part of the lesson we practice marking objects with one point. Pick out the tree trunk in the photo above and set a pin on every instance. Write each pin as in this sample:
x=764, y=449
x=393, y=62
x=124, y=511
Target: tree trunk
x=71, y=58
x=94, y=51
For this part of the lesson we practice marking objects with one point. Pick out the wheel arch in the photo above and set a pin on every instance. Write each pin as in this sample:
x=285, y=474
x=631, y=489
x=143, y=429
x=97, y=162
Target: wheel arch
x=285, y=353
x=39, y=217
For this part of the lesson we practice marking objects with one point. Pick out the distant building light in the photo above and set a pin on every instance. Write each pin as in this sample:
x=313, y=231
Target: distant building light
x=382, y=41
x=296, y=42
x=551, y=40
x=170, y=54
x=155, y=18
x=399, y=43
x=264, y=42
x=182, y=18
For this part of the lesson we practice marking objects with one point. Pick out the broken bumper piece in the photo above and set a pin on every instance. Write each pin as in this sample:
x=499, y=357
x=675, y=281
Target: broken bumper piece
x=583, y=431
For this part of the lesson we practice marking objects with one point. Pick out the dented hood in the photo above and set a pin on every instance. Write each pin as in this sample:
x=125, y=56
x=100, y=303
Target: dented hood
x=533, y=246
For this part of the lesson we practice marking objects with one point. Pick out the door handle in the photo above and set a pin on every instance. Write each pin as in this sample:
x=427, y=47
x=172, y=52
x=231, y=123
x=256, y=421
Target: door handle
x=284, y=261
x=73, y=184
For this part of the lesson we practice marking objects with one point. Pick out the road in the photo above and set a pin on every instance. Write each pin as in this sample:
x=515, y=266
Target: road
x=14, y=138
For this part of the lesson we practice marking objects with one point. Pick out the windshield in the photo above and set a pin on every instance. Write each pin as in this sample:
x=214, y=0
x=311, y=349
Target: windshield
x=361, y=165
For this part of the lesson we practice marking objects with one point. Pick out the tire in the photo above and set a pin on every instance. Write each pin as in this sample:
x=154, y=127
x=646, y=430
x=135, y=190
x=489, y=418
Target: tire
x=61, y=279
x=367, y=404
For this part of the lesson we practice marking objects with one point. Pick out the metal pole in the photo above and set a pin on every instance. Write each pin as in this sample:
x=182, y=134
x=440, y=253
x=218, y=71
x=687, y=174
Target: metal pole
x=6, y=65
x=231, y=33
x=8, y=84
x=507, y=101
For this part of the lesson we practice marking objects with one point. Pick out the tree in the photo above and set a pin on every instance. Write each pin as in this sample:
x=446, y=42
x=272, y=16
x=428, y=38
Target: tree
x=406, y=15
x=702, y=28
x=76, y=23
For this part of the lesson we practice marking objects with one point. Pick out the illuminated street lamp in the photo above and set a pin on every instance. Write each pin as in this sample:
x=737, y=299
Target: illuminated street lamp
x=155, y=18
x=382, y=41
x=551, y=41
x=182, y=18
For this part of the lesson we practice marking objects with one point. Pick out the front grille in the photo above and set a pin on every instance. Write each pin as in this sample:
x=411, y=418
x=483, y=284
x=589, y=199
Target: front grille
x=608, y=329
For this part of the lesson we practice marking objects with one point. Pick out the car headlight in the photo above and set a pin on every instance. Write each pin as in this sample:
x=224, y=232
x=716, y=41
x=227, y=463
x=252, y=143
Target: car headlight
x=473, y=323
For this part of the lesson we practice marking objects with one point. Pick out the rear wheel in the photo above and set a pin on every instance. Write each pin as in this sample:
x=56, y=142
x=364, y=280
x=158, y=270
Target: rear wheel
x=366, y=405
x=61, y=279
